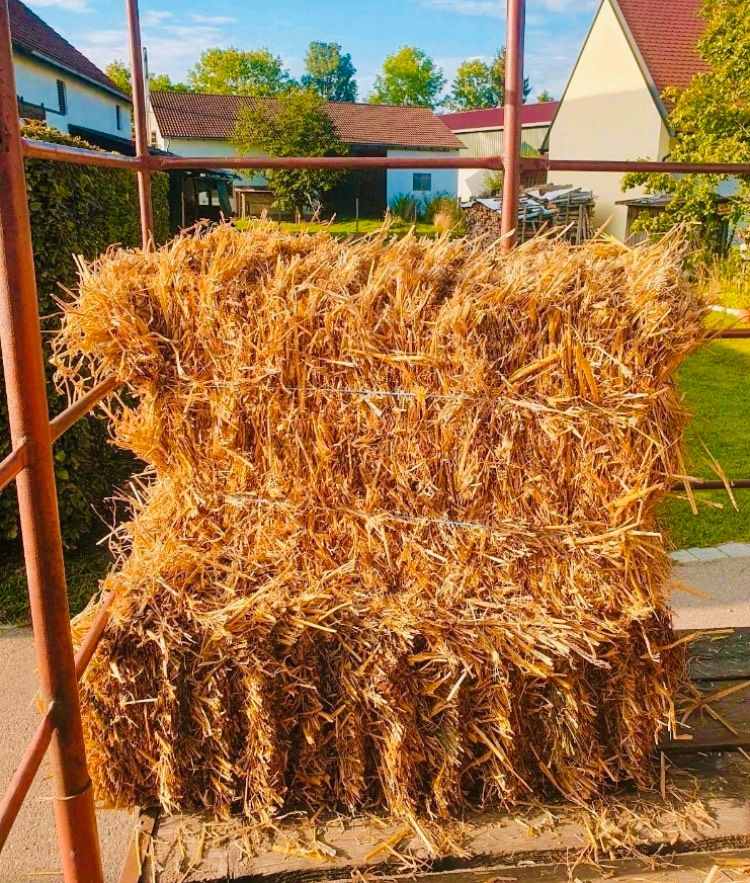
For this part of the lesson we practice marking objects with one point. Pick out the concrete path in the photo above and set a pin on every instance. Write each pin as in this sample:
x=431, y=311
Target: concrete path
x=31, y=851
x=710, y=593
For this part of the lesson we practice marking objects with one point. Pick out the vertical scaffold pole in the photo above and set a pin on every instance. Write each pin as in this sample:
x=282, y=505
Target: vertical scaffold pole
x=512, y=120
x=23, y=364
x=140, y=120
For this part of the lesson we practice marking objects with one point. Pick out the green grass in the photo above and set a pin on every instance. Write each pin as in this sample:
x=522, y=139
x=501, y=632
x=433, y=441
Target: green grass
x=84, y=568
x=348, y=227
x=715, y=383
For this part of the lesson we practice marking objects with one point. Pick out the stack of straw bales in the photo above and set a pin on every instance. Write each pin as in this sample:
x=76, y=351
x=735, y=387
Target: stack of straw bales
x=398, y=549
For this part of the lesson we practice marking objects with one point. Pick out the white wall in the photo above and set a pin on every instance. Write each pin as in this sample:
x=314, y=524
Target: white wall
x=208, y=147
x=88, y=105
x=400, y=180
x=607, y=112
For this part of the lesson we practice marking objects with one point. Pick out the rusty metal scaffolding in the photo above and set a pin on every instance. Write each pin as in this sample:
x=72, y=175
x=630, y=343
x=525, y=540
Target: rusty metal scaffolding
x=30, y=461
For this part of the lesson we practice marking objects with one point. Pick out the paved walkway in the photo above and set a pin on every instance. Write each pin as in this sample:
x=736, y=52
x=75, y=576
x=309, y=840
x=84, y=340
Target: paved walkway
x=709, y=590
x=31, y=851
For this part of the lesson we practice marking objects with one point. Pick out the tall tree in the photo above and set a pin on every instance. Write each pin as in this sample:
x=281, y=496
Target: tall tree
x=119, y=73
x=481, y=84
x=294, y=125
x=239, y=72
x=409, y=76
x=544, y=97
x=711, y=123
x=330, y=72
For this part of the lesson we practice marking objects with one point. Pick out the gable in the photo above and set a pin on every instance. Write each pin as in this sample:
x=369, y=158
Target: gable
x=610, y=108
x=31, y=34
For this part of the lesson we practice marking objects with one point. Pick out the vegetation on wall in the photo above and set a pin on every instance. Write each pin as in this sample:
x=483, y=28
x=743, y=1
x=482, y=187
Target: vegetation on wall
x=76, y=210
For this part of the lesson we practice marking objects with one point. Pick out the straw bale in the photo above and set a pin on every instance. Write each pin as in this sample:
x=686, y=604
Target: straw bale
x=397, y=548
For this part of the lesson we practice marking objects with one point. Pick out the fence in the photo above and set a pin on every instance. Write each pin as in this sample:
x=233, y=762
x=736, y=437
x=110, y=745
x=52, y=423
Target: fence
x=30, y=462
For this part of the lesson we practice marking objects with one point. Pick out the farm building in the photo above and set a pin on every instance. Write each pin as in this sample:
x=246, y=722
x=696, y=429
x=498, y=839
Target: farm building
x=481, y=133
x=612, y=107
x=191, y=124
x=57, y=84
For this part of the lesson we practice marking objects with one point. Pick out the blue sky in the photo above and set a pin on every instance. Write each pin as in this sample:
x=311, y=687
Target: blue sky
x=175, y=31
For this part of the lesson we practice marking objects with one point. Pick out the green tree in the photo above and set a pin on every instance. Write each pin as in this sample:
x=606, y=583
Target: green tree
x=711, y=123
x=330, y=72
x=410, y=77
x=239, y=72
x=294, y=125
x=119, y=73
x=544, y=96
x=481, y=84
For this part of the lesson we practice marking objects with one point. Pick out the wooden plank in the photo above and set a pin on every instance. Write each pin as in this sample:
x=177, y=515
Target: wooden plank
x=720, y=657
x=492, y=844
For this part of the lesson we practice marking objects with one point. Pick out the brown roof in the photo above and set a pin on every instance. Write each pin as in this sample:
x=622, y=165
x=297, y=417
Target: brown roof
x=666, y=33
x=539, y=114
x=31, y=34
x=199, y=115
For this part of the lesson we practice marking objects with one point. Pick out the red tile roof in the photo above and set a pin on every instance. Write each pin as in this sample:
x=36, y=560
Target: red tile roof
x=31, y=34
x=666, y=32
x=492, y=117
x=198, y=115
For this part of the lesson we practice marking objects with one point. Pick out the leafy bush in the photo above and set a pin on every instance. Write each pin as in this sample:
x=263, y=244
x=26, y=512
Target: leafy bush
x=76, y=210
x=408, y=207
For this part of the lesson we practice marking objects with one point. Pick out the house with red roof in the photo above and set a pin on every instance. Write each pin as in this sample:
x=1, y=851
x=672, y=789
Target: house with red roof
x=613, y=106
x=199, y=124
x=57, y=84
x=481, y=133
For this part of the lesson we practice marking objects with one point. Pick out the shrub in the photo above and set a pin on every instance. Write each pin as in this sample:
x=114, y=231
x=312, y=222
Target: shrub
x=76, y=210
x=493, y=184
x=443, y=212
x=408, y=207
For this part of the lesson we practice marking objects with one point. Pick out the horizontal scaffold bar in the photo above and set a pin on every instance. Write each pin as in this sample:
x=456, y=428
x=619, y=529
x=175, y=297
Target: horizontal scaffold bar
x=33, y=149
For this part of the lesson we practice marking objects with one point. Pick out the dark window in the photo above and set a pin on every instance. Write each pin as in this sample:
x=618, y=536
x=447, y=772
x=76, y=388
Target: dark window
x=62, y=97
x=118, y=116
x=422, y=181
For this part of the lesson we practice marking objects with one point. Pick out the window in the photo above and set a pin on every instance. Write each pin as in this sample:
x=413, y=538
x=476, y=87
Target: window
x=118, y=116
x=62, y=97
x=422, y=181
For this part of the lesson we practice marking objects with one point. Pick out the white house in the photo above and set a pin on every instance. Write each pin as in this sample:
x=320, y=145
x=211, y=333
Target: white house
x=195, y=124
x=59, y=85
x=612, y=107
x=481, y=133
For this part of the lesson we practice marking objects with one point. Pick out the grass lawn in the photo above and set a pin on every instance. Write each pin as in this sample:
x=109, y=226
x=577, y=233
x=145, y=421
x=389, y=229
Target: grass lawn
x=348, y=227
x=715, y=382
x=84, y=568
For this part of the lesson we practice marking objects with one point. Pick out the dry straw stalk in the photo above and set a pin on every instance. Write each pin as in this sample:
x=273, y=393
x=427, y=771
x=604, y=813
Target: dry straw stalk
x=397, y=547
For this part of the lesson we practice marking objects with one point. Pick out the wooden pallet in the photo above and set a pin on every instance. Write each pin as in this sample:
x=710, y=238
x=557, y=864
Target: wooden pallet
x=498, y=847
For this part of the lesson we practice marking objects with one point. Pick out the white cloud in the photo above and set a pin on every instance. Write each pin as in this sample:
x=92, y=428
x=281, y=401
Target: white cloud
x=67, y=5
x=213, y=19
x=496, y=8
x=155, y=17
x=171, y=48
x=484, y=8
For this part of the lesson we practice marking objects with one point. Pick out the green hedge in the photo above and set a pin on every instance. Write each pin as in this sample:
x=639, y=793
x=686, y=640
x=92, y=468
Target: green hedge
x=76, y=210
